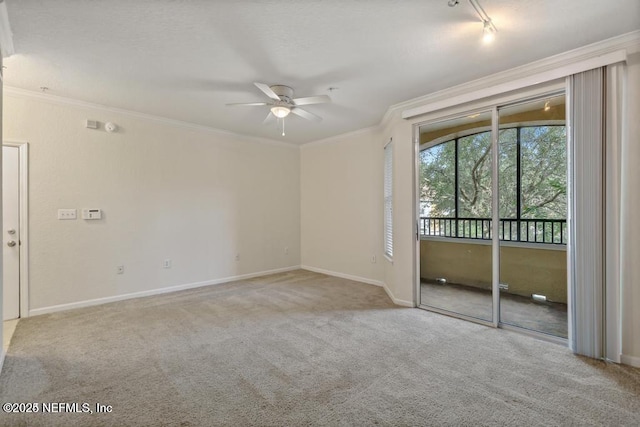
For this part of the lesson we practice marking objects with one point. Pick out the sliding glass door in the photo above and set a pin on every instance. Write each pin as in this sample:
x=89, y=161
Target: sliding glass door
x=533, y=211
x=460, y=271
x=455, y=181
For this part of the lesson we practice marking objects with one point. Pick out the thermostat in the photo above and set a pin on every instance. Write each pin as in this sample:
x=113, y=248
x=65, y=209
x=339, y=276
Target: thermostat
x=91, y=214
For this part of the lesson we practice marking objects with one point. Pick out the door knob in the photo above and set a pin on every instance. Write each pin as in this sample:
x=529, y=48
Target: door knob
x=11, y=243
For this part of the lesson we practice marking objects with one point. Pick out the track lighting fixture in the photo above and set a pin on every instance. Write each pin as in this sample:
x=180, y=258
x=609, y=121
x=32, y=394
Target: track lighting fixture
x=488, y=30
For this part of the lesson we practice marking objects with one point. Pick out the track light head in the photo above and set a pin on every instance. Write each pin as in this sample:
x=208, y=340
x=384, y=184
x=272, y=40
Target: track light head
x=488, y=32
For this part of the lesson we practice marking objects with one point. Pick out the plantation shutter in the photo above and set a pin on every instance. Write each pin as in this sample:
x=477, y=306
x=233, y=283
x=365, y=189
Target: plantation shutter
x=388, y=199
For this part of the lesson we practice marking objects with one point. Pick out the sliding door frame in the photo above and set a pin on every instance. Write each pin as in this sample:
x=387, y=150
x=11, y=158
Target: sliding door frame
x=569, y=248
x=416, y=211
x=495, y=215
x=493, y=105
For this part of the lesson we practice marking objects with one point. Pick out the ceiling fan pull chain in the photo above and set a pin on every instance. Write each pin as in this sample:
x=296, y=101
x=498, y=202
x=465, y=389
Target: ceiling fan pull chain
x=282, y=127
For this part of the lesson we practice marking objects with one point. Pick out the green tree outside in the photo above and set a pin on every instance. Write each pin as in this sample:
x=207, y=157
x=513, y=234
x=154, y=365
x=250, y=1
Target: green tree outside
x=543, y=160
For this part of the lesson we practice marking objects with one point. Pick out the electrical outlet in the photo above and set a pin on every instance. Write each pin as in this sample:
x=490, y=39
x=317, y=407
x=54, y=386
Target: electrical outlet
x=67, y=214
x=166, y=263
x=373, y=259
x=286, y=250
x=120, y=269
x=237, y=257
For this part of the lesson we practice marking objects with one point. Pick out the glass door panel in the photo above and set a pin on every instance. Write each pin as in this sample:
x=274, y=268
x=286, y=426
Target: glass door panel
x=455, y=181
x=533, y=215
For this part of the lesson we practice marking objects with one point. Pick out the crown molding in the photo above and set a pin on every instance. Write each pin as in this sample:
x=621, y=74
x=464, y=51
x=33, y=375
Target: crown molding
x=61, y=100
x=517, y=84
x=628, y=43
x=6, y=37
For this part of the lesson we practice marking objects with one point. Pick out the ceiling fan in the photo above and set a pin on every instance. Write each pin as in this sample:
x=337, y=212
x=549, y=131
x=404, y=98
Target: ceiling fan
x=282, y=103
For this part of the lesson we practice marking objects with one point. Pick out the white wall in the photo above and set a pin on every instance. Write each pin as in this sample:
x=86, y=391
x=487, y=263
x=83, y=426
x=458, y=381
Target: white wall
x=342, y=201
x=630, y=227
x=341, y=213
x=194, y=196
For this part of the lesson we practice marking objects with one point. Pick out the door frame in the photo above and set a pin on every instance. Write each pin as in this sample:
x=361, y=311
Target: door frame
x=487, y=105
x=23, y=191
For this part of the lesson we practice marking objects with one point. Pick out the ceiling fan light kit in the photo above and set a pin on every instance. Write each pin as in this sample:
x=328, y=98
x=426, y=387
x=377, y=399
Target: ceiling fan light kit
x=280, y=111
x=283, y=103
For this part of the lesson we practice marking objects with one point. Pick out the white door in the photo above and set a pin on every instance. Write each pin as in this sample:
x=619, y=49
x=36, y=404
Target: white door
x=10, y=233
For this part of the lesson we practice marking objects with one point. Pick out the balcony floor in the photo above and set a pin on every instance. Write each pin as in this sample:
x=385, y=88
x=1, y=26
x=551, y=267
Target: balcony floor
x=546, y=317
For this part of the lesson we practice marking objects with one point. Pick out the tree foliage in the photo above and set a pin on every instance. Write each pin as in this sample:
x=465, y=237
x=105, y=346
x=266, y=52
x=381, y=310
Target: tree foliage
x=543, y=180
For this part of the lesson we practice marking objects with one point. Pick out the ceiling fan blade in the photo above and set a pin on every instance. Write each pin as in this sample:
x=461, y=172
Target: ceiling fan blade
x=305, y=114
x=269, y=118
x=320, y=99
x=267, y=91
x=249, y=104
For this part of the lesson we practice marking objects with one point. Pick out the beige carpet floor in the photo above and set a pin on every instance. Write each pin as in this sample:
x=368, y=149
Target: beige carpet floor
x=300, y=349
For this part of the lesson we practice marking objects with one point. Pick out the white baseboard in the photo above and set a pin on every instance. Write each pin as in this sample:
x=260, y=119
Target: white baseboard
x=395, y=300
x=630, y=360
x=105, y=300
x=343, y=275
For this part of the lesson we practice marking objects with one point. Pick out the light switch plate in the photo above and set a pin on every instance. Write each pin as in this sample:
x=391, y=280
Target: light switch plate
x=67, y=214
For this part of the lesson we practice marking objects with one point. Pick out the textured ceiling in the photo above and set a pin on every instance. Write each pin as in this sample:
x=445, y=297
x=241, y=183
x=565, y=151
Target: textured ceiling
x=185, y=60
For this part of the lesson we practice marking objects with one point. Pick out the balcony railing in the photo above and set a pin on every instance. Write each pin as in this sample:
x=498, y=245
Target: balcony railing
x=551, y=231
